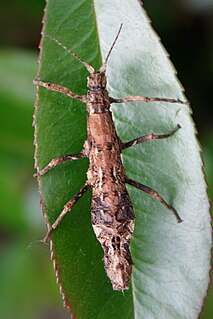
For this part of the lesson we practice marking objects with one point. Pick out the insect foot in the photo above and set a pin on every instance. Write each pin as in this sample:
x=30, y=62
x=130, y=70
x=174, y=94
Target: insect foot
x=46, y=238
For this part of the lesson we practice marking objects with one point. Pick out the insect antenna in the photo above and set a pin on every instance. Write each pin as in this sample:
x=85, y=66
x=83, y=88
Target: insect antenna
x=103, y=67
x=87, y=65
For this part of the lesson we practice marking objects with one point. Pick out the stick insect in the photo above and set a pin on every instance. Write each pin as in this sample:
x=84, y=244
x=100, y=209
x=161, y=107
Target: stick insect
x=112, y=211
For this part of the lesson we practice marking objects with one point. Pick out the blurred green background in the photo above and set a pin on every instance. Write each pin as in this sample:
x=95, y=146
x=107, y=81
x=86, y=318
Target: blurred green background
x=28, y=289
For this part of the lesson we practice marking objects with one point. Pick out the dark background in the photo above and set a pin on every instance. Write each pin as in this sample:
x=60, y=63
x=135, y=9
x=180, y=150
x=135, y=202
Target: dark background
x=186, y=30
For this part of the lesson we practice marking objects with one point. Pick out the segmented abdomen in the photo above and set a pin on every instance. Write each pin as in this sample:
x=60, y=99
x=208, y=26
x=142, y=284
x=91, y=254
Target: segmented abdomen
x=112, y=212
x=113, y=224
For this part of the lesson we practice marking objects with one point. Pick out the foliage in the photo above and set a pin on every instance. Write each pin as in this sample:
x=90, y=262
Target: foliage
x=169, y=259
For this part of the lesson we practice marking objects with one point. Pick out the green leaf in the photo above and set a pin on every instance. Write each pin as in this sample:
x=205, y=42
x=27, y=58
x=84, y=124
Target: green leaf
x=171, y=261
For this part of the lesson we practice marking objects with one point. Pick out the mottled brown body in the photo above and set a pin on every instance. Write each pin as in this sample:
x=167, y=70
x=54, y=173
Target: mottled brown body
x=112, y=211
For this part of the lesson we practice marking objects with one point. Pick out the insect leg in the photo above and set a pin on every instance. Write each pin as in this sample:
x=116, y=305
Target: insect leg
x=153, y=194
x=69, y=205
x=149, y=137
x=60, y=160
x=144, y=99
x=61, y=89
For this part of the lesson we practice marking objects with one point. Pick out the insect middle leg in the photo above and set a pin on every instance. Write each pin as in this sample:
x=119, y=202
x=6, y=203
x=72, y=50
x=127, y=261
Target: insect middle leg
x=69, y=205
x=153, y=194
x=60, y=160
x=149, y=137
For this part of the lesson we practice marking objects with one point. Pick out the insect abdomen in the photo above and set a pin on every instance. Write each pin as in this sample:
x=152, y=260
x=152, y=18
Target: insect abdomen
x=112, y=212
x=113, y=224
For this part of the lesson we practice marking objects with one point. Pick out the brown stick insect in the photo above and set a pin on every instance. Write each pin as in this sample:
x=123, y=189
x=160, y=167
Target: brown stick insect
x=112, y=211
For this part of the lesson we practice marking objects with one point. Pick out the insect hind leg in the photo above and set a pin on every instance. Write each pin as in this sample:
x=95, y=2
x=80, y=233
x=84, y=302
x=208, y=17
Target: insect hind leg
x=69, y=205
x=154, y=194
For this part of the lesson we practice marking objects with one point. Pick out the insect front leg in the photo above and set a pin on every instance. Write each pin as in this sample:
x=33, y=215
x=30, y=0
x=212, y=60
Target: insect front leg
x=69, y=205
x=153, y=194
x=61, y=89
x=60, y=160
x=149, y=137
x=145, y=99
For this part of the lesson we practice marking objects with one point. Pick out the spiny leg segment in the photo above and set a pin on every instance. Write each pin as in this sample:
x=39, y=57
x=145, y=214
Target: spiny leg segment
x=149, y=137
x=153, y=194
x=60, y=160
x=53, y=163
x=69, y=205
